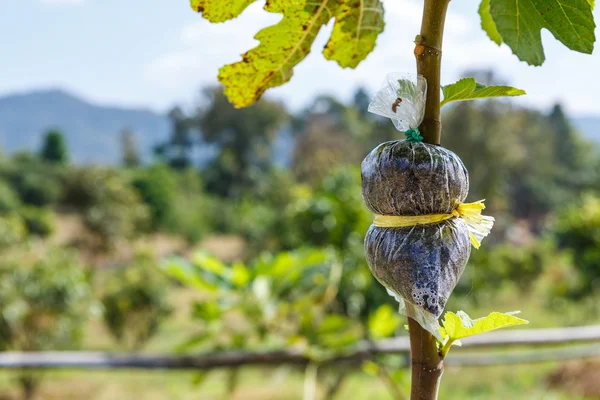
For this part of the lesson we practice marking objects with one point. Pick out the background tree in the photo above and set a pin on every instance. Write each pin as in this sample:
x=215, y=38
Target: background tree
x=129, y=153
x=243, y=139
x=54, y=149
x=178, y=148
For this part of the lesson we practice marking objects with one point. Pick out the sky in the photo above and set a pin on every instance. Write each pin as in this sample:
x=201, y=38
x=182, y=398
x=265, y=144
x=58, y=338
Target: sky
x=118, y=52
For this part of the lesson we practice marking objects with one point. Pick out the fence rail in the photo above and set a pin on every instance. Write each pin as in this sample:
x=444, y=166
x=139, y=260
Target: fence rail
x=570, y=337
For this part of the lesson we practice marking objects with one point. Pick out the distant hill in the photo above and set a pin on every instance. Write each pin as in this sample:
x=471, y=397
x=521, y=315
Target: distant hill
x=589, y=127
x=92, y=131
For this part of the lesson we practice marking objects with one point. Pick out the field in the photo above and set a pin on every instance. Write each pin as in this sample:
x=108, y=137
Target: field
x=531, y=381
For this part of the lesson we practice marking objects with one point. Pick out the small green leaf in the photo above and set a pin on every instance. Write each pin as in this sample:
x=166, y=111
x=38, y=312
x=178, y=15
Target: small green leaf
x=383, y=322
x=488, y=24
x=468, y=89
x=356, y=28
x=220, y=10
x=520, y=23
x=460, y=325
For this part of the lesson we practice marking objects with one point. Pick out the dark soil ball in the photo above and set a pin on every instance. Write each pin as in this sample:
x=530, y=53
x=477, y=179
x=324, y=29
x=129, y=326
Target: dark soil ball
x=423, y=263
x=402, y=178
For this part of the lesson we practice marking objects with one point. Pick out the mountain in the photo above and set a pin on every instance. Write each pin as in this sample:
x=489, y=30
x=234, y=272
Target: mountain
x=92, y=132
x=589, y=127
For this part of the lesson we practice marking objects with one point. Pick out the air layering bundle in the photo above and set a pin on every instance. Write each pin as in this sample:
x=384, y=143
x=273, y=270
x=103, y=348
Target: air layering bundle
x=421, y=237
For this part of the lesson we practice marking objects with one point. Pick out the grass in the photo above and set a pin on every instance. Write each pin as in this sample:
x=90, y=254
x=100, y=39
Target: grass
x=528, y=382
x=492, y=383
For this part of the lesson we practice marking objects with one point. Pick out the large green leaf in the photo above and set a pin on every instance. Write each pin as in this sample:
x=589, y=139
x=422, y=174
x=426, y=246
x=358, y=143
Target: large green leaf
x=282, y=46
x=220, y=10
x=488, y=24
x=357, y=25
x=468, y=89
x=520, y=22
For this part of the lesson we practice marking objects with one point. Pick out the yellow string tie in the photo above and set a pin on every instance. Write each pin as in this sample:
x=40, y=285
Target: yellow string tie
x=479, y=225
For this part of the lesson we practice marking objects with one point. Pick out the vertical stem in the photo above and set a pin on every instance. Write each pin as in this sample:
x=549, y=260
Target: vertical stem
x=428, y=52
x=427, y=363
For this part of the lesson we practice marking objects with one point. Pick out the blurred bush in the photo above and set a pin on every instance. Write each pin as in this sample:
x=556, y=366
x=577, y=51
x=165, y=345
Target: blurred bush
x=577, y=229
x=111, y=208
x=9, y=199
x=191, y=213
x=45, y=299
x=334, y=215
x=135, y=302
x=39, y=221
x=286, y=299
x=12, y=230
x=36, y=183
x=157, y=186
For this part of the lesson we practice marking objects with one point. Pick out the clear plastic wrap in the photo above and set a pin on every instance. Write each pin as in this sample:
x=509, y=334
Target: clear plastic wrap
x=401, y=99
x=421, y=237
x=420, y=265
x=402, y=178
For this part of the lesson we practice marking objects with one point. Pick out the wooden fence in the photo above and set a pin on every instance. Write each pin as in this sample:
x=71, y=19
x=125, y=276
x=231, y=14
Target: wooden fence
x=541, y=345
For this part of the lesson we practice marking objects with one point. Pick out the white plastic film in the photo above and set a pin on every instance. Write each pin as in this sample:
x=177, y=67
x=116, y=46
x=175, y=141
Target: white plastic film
x=401, y=99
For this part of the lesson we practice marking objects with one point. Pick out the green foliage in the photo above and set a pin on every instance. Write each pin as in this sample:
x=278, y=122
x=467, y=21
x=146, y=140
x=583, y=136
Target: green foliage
x=12, y=230
x=54, y=149
x=39, y=221
x=518, y=265
x=519, y=23
x=332, y=213
x=468, y=89
x=176, y=151
x=43, y=304
x=383, y=322
x=578, y=230
x=135, y=302
x=192, y=212
x=37, y=183
x=498, y=142
x=460, y=325
x=44, y=301
x=9, y=199
x=157, y=186
x=284, y=45
x=242, y=138
x=111, y=208
x=287, y=299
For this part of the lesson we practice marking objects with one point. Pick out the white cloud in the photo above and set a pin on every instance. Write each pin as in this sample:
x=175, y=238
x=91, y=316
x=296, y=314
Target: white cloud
x=63, y=2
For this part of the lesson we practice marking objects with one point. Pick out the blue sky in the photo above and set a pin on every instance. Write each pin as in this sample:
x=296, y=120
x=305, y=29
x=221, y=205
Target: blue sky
x=161, y=53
